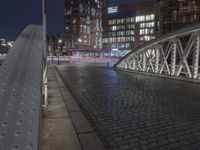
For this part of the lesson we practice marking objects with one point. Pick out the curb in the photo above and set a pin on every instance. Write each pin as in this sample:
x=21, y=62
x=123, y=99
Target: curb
x=86, y=135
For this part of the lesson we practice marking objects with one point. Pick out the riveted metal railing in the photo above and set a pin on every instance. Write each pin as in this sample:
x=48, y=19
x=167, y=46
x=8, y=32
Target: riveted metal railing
x=21, y=92
x=174, y=54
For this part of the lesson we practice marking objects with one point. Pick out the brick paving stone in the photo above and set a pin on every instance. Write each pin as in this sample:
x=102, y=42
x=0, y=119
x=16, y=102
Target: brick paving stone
x=124, y=147
x=135, y=148
x=145, y=147
x=133, y=140
x=166, y=147
x=159, y=112
x=163, y=142
x=153, y=145
x=175, y=145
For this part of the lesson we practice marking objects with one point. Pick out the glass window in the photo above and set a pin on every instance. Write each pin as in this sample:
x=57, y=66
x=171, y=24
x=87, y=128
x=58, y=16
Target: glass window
x=142, y=25
x=150, y=24
x=128, y=45
x=132, y=19
x=130, y=32
x=142, y=31
x=111, y=22
x=140, y=18
x=114, y=28
x=130, y=39
x=128, y=20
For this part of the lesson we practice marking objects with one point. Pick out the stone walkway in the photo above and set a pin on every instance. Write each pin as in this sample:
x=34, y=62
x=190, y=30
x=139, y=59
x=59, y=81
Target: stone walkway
x=64, y=125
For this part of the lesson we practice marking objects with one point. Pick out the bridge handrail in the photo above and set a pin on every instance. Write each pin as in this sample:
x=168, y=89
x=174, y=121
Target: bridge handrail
x=21, y=92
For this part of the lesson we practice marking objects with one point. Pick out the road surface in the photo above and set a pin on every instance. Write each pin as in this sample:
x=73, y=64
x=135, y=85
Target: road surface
x=136, y=112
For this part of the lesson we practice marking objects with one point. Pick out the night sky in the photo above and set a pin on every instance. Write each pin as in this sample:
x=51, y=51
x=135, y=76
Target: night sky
x=17, y=14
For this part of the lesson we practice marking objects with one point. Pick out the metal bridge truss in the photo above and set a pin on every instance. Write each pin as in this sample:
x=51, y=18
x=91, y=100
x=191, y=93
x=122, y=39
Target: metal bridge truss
x=175, y=54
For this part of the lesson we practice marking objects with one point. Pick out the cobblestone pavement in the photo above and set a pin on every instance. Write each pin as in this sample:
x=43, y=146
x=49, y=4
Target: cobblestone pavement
x=136, y=112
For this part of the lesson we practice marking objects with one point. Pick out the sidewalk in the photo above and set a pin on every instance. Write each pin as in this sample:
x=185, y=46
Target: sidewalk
x=64, y=125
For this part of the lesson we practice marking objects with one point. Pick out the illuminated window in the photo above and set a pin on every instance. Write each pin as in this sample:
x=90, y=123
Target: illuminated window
x=114, y=28
x=129, y=32
x=121, y=39
x=140, y=18
x=130, y=26
x=142, y=25
x=130, y=39
x=148, y=17
x=128, y=20
x=113, y=45
x=146, y=31
x=150, y=24
x=111, y=22
x=121, y=33
x=118, y=21
x=152, y=16
x=128, y=45
x=132, y=19
x=121, y=21
x=120, y=45
x=142, y=31
x=147, y=38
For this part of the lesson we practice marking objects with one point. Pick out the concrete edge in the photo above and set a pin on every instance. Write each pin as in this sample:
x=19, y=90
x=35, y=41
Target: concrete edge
x=57, y=129
x=87, y=136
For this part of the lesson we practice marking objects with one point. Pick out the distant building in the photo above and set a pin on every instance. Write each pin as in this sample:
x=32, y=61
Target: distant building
x=83, y=25
x=128, y=25
x=5, y=45
x=174, y=14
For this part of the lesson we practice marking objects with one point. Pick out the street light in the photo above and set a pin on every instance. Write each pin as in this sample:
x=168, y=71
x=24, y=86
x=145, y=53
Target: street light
x=59, y=41
x=80, y=40
x=59, y=48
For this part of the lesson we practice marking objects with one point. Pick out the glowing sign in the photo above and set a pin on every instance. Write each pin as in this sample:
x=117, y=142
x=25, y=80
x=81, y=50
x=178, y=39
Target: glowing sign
x=115, y=49
x=113, y=9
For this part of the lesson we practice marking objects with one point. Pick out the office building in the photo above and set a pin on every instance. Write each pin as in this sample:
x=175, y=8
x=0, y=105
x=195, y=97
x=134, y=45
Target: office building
x=83, y=25
x=127, y=26
x=175, y=14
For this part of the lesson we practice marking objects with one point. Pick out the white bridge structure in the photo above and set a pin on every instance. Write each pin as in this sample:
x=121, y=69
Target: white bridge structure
x=174, y=54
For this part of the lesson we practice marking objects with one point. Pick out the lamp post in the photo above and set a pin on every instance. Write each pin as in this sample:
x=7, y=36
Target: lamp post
x=80, y=42
x=44, y=16
x=59, y=48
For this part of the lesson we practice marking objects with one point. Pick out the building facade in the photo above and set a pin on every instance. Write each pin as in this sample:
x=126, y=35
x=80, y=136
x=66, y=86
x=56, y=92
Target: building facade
x=5, y=45
x=175, y=14
x=83, y=24
x=128, y=25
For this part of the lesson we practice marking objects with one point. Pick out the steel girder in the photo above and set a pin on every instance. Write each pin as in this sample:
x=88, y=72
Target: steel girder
x=174, y=54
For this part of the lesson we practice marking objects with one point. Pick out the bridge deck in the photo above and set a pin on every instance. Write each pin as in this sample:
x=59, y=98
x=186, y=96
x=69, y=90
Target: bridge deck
x=20, y=92
x=132, y=111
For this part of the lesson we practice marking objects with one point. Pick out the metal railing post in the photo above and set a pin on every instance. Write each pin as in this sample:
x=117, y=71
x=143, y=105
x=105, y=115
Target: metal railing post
x=44, y=15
